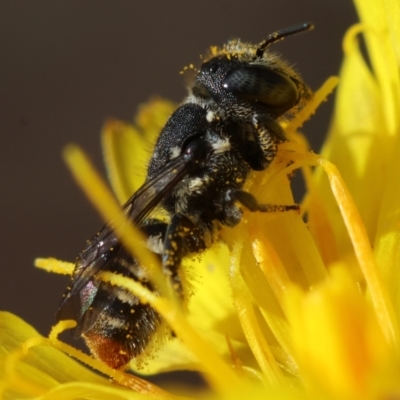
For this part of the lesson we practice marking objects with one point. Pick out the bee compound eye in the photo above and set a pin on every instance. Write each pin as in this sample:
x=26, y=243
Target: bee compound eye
x=262, y=85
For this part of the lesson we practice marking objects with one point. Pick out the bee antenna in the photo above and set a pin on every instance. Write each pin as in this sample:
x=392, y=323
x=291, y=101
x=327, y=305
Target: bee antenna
x=279, y=35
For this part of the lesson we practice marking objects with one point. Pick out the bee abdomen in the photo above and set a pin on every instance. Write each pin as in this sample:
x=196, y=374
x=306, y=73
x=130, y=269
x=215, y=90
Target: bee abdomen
x=123, y=329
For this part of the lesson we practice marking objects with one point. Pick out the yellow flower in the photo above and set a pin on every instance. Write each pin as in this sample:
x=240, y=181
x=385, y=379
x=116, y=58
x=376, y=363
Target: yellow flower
x=283, y=309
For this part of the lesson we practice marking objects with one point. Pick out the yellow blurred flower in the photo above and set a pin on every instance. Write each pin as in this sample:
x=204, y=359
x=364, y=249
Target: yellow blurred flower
x=283, y=309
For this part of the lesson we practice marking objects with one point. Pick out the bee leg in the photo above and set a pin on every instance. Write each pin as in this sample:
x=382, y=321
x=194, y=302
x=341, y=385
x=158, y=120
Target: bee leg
x=269, y=134
x=182, y=237
x=233, y=214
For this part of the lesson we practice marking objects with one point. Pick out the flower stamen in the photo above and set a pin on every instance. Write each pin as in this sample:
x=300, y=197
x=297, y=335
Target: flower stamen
x=355, y=227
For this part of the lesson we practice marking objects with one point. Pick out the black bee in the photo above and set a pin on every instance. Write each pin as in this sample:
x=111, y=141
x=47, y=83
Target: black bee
x=226, y=127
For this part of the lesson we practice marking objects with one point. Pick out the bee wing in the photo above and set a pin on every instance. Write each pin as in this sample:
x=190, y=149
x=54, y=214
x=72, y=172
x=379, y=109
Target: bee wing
x=104, y=247
x=151, y=194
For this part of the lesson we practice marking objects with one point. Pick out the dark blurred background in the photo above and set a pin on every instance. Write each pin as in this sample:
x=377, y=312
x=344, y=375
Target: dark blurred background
x=66, y=66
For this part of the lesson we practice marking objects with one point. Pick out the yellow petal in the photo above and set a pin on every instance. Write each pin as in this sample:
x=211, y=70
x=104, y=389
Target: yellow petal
x=285, y=231
x=125, y=155
x=255, y=336
x=127, y=148
x=339, y=345
x=387, y=241
x=43, y=368
x=382, y=34
x=392, y=11
x=355, y=146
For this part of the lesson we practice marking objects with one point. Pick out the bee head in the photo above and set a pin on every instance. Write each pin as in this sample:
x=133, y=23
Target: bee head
x=240, y=79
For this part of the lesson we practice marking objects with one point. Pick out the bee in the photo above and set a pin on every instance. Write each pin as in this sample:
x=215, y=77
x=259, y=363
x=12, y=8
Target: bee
x=226, y=127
